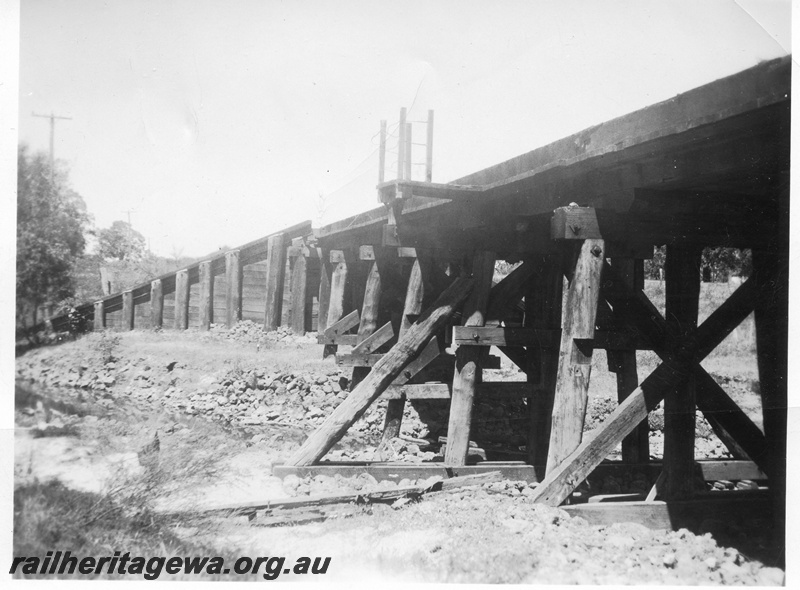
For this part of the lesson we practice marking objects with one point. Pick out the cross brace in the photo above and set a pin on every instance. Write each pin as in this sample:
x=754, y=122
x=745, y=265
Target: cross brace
x=565, y=477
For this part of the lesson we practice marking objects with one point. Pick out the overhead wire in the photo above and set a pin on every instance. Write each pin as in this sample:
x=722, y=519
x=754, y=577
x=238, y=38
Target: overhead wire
x=390, y=131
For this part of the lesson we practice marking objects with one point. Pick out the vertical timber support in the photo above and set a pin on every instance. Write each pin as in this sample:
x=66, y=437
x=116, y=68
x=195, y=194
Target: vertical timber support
x=356, y=278
x=772, y=319
x=324, y=296
x=299, y=282
x=369, y=316
x=233, y=288
x=99, y=316
x=206, y=303
x=468, y=363
x=336, y=303
x=682, y=272
x=156, y=304
x=415, y=293
x=635, y=446
x=127, y=310
x=276, y=269
x=543, y=299
x=575, y=355
x=182, y=299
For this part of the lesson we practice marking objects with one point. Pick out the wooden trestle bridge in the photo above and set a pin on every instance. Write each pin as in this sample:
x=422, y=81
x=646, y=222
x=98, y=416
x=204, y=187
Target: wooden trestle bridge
x=390, y=289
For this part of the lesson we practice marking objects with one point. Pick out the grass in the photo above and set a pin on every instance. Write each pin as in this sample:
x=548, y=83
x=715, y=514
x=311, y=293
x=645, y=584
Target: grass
x=51, y=517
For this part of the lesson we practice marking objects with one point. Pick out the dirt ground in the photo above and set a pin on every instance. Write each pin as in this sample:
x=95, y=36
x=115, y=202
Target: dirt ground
x=226, y=406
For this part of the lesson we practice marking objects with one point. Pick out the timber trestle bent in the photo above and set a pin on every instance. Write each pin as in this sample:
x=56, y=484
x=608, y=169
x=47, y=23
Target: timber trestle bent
x=708, y=168
x=405, y=292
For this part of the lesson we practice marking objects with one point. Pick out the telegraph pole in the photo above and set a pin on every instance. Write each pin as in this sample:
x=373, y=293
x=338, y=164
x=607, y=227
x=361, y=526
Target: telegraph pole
x=52, y=118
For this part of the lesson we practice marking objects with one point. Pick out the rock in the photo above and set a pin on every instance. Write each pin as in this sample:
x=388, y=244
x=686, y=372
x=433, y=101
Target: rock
x=669, y=560
x=730, y=572
x=252, y=420
x=770, y=576
x=514, y=525
x=314, y=412
x=291, y=483
x=400, y=502
x=733, y=556
x=365, y=479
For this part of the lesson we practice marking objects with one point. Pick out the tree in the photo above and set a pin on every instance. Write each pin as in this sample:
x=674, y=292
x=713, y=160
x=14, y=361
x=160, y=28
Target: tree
x=51, y=223
x=717, y=263
x=654, y=266
x=723, y=263
x=120, y=242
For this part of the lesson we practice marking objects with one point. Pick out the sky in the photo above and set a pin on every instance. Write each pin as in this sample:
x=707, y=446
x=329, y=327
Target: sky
x=210, y=123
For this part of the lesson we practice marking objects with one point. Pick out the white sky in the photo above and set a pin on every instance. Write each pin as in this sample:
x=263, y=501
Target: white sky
x=218, y=122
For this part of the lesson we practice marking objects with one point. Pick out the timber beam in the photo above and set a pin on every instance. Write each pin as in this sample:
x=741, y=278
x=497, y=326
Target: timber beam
x=675, y=515
x=543, y=302
x=546, y=339
x=710, y=470
x=333, y=297
x=418, y=288
x=682, y=269
x=406, y=189
x=575, y=356
x=637, y=232
x=485, y=389
x=468, y=362
x=336, y=332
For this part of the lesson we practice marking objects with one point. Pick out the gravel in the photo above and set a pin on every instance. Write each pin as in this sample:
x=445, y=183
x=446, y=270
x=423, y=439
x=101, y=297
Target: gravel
x=255, y=401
